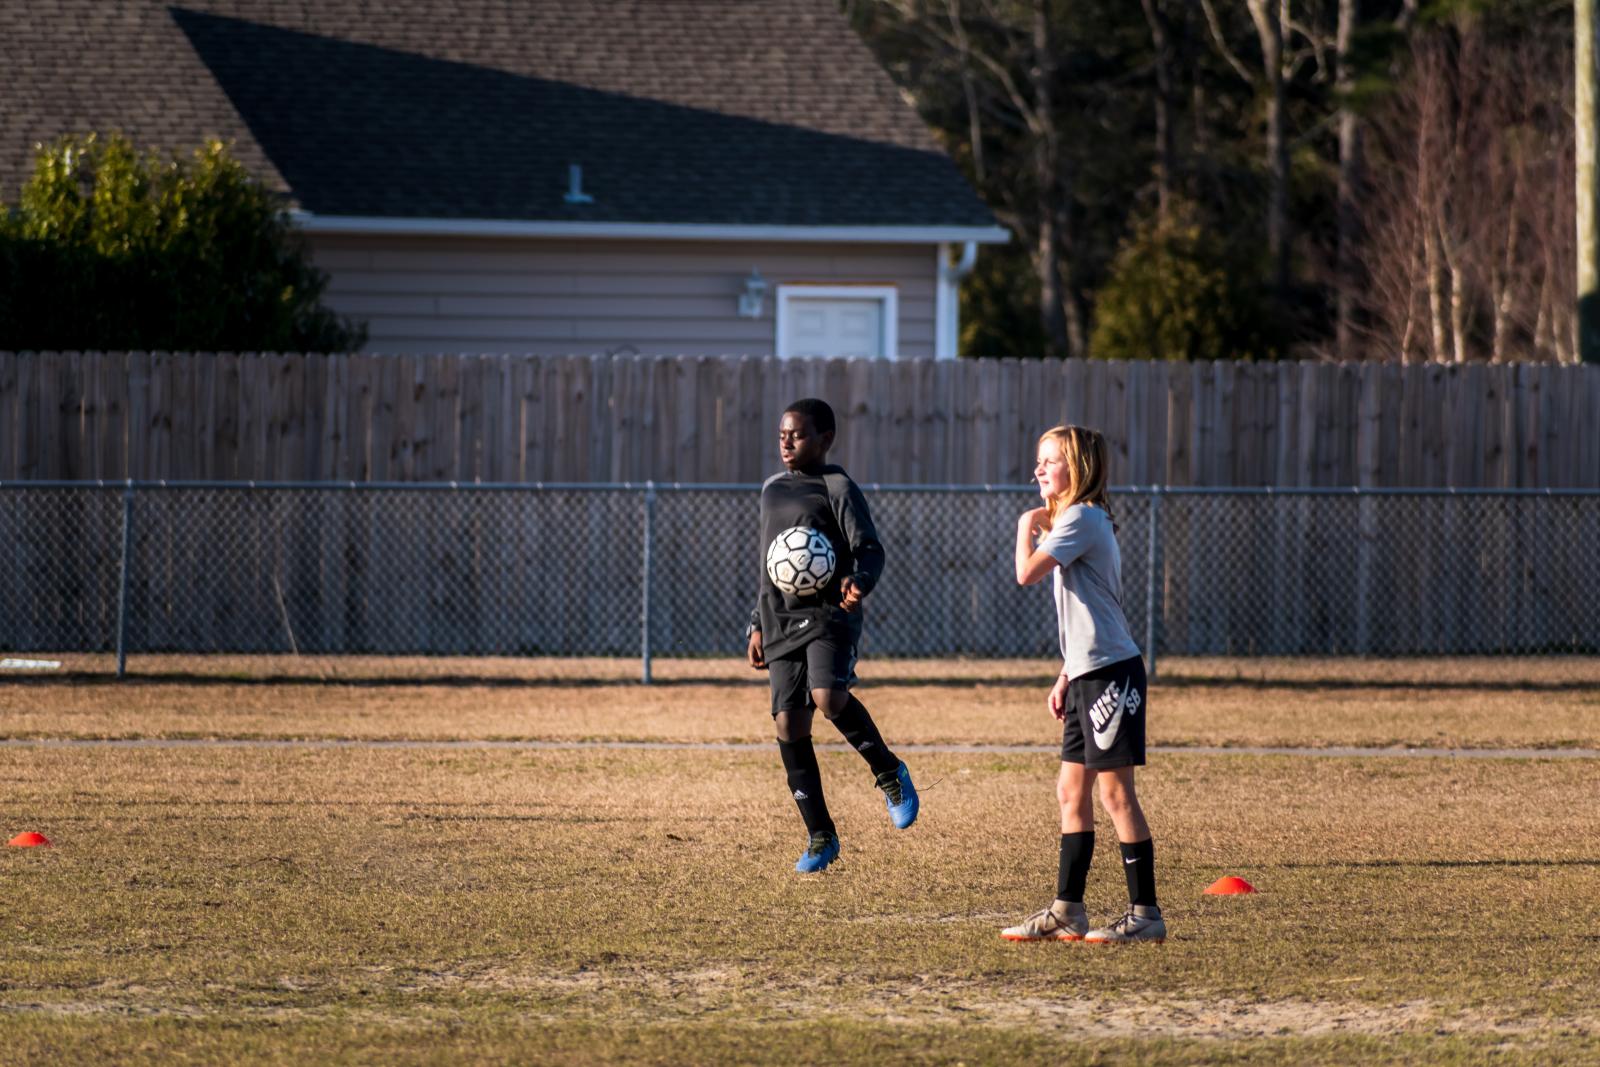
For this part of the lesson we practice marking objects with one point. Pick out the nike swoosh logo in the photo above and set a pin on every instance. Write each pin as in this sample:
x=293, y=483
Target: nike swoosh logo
x=1134, y=860
x=1104, y=737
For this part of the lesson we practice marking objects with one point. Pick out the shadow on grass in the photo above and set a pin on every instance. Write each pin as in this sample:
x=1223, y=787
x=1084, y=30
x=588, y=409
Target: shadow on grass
x=465, y=681
x=1390, y=864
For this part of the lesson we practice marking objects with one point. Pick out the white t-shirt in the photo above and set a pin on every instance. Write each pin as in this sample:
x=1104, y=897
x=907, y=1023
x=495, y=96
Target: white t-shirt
x=1088, y=588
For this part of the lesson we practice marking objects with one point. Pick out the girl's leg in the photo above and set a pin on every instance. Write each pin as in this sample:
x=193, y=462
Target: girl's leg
x=1075, y=791
x=1065, y=919
x=1133, y=833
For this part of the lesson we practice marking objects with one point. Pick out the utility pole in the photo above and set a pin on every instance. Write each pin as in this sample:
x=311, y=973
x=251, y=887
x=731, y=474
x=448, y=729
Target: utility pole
x=1588, y=239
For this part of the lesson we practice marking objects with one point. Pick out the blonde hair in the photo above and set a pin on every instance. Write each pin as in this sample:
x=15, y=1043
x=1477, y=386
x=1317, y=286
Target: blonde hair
x=1084, y=453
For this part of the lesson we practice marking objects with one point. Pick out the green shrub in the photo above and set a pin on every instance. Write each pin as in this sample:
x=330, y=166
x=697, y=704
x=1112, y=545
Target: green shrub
x=112, y=249
x=1180, y=292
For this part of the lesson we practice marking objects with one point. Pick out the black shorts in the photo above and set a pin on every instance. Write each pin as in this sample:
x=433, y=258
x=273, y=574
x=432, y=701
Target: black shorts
x=827, y=662
x=1106, y=708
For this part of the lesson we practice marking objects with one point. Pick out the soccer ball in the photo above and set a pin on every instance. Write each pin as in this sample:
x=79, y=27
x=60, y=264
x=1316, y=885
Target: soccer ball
x=800, y=561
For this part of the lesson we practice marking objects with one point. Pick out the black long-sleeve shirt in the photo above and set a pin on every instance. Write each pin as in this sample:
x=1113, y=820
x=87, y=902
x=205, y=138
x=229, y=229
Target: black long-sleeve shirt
x=830, y=502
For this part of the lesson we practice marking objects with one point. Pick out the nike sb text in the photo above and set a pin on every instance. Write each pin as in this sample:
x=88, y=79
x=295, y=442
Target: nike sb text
x=1106, y=715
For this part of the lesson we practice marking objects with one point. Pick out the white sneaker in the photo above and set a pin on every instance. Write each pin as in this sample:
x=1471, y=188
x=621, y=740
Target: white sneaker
x=1141, y=922
x=1059, y=922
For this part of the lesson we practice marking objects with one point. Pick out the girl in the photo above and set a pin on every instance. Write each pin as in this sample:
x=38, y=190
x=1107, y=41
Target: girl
x=1099, y=694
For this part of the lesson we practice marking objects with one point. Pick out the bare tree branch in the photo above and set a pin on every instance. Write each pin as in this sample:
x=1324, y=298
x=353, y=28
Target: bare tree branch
x=1221, y=43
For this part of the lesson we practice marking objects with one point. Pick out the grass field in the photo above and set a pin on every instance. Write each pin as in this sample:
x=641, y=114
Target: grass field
x=296, y=904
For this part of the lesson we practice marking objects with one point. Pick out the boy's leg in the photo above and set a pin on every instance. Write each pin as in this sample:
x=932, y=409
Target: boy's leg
x=791, y=718
x=853, y=721
x=831, y=666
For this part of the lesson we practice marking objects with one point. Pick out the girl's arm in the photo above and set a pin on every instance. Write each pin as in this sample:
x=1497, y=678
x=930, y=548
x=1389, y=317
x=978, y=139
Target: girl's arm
x=1059, y=545
x=1033, y=565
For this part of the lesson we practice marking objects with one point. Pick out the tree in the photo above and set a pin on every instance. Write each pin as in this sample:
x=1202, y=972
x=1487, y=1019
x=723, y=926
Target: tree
x=1469, y=245
x=113, y=249
x=1166, y=105
x=1176, y=292
x=1013, y=85
x=1588, y=237
x=1263, y=117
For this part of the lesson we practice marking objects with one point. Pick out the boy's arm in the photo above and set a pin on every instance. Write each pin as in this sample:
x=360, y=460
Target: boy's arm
x=855, y=520
x=755, y=654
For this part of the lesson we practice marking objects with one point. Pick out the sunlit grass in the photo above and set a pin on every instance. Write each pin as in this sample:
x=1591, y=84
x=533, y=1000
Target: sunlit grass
x=414, y=906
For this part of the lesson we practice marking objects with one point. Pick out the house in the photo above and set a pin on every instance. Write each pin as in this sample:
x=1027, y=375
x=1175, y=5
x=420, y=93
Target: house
x=545, y=176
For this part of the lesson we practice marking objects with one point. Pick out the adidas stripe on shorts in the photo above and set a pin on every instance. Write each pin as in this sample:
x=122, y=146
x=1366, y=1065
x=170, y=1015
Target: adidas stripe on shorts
x=1105, y=717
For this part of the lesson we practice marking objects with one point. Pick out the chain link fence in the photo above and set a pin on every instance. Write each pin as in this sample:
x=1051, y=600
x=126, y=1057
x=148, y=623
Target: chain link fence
x=652, y=570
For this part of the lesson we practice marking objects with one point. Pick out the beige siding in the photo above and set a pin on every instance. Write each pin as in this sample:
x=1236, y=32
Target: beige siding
x=563, y=297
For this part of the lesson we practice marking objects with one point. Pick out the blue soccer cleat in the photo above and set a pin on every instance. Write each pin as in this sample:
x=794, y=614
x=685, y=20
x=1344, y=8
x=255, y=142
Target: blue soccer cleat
x=900, y=796
x=823, y=850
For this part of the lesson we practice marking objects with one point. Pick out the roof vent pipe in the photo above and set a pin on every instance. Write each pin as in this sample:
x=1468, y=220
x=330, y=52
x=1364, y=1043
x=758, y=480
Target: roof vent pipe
x=575, y=193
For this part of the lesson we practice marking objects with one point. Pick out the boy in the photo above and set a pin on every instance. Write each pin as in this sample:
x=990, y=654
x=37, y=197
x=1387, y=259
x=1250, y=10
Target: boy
x=808, y=643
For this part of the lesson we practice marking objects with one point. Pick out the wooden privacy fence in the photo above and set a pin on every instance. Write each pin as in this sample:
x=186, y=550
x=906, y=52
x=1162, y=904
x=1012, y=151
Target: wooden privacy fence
x=371, y=418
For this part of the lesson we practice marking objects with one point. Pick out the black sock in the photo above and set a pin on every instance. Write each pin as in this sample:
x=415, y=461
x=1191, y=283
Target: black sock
x=1139, y=864
x=805, y=783
x=1076, y=852
x=862, y=733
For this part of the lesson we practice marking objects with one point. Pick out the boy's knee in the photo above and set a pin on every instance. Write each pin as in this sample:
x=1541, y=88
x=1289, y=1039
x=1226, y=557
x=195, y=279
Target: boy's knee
x=792, y=725
x=831, y=701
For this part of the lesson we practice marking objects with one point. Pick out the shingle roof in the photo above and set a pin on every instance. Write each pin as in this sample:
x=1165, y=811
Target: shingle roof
x=768, y=112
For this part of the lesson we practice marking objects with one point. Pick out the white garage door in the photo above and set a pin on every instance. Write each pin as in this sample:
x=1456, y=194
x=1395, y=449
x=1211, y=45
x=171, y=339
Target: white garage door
x=853, y=324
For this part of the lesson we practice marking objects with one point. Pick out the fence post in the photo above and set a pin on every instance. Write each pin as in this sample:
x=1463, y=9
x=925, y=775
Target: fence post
x=1152, y=542
x=644, y=584
x=122, y=579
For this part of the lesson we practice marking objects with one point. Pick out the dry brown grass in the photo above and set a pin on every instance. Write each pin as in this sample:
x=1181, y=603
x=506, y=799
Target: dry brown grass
x=1482, y=703
x=303, y=906
x=596, y=906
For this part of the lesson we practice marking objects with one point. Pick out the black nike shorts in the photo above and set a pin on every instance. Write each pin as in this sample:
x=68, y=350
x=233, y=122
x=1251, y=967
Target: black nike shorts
x=1105, y=717
x=827, y=662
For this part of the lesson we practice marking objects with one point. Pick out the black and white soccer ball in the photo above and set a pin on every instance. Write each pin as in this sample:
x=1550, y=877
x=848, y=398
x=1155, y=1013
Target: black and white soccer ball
x=800, y=561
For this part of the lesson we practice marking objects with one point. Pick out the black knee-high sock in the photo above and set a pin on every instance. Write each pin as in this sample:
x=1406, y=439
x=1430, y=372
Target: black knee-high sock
x=862, y=733
x=1076, y=852
x=1139, y=864
x=805, y=783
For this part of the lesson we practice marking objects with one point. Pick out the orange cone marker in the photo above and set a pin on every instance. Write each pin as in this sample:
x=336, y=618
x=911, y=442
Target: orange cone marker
x=29, y=840
x=1230, y=885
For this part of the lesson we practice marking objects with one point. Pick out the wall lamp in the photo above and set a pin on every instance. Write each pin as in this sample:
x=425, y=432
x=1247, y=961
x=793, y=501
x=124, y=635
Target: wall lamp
x=755, y=291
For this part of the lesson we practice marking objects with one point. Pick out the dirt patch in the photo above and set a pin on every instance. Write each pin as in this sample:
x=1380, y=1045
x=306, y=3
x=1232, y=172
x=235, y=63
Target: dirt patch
x=647, y=997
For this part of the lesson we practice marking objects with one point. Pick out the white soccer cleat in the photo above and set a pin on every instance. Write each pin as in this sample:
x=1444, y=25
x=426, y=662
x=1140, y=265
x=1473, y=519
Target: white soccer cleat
x=1139, y=923
x=1068, y=924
